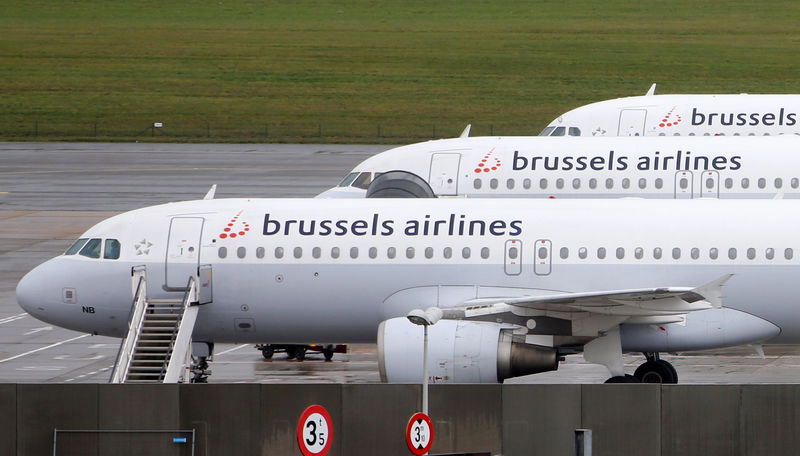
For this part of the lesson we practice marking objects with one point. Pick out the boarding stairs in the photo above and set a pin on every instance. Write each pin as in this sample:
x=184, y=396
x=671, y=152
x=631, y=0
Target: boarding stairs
x=157, y=348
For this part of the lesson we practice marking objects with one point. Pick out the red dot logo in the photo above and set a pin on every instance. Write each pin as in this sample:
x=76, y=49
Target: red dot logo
x=231, y=229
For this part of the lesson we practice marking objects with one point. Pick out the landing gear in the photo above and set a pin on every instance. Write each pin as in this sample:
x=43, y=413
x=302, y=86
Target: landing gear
x=623, y=379
x=656, y=370
x=202, y=352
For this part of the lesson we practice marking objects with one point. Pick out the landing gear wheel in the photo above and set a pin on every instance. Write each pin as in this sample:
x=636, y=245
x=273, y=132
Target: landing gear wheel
x=267, y=352
x=327, y=352
x=658, y=371
x=290, y=352
x=300, y=353
x=623, y=379
x=199, y=369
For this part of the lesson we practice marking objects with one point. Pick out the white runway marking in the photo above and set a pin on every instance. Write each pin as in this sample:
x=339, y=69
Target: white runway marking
x=232, y=349
x=34, y=331
x=43, y=348
x=12, y=318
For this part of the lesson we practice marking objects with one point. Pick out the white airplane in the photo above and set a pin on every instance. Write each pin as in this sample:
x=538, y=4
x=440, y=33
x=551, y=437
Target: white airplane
x=682, y=115
x=685, y=167
x=520, y=282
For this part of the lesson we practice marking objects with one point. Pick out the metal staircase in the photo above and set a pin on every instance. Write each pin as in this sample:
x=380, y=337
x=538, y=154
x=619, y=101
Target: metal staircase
x=157, y=348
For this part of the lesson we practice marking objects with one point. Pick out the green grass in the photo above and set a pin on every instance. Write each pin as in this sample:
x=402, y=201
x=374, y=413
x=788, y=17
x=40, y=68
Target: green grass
x=341, y=70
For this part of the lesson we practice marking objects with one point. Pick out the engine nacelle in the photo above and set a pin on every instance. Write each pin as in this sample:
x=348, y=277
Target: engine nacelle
x=458, y=352
x=399, y=184
x=704, y=330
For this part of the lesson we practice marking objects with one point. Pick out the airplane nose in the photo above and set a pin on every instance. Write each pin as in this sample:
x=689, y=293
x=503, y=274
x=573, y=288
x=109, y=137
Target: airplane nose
x=27, y=293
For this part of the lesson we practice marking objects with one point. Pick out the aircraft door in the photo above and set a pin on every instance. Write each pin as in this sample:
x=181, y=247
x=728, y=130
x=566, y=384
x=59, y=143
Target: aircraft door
x=443, y=177
x=709, y=187
x=543, y=257
x=631, y=122
x=513, y=257
x=683, y=185
x=183, y=251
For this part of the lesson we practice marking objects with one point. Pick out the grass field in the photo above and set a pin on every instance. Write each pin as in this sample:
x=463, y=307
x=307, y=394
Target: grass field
x=347, y=71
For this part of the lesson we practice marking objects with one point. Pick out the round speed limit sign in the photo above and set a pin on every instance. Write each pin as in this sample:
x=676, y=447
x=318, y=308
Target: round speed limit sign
x=314, y=431
x=419, y=434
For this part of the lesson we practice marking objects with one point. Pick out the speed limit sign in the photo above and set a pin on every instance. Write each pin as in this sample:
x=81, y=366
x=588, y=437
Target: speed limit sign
x=419, y=434
x=314, y=431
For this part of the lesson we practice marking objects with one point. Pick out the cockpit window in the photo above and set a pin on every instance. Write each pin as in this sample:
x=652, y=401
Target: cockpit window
x=348, y=179
x=111, y=251
x=559, y=131
x=546, y=131
x=92, y=248
x=574, y=131
x=76, y=246
x=363, y=181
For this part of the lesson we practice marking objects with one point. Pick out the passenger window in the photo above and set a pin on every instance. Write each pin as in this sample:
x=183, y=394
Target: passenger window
x=373, y=252
x=684, y=183
x=429, y=252
x=770, y=253
x=485, y=253
x=676, y=253
x=76, y=246
x=657, y=253
x=526, y=183
x=751, y=253
x=732, y=253
x=448, y=252
x=510, y=184
x=542, y=253
x=559, y=183
x=601, y=253
x=626, y=183
x=582, y=253
x=260, y=252
x=298, y=252
x=710, y=183
x=620, y=253
x=609, y=183
x=363, y=181
x=354, y=252
x=493, y=184
x=410, y=252
x=713, y=253
x=111, y=250
x=316, y=252
x=728, y=182
x=695, y=253
x=465, y=252
x=659, y=182
x=593, y=183
x=543, y=183
x=92, y=248
x=795, y=182
x=574, y=131
x=391, y=252
x=278, y=252
x=638, y=253
x=241, y=252
x=476, y=184
x=745, y=182
x=576, y=183
x=778, y=182
x=512, y=253
x=564, y=253
x=788, y=254
x=762, y=183
x=222, y=252
x=335, y=252
x=642, y=183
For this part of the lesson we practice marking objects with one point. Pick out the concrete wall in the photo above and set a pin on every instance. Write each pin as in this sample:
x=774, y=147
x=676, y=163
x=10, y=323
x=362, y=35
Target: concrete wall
x=371, y=418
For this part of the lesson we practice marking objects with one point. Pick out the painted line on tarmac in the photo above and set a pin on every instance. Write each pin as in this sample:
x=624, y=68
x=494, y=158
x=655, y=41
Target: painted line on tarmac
x=44, y=348
x=232, y=349
x=13, y=318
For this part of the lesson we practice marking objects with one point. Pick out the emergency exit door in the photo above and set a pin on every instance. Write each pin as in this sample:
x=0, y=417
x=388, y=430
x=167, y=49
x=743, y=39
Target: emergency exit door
x=543, y=257
x=631, y=122
x=183, y=251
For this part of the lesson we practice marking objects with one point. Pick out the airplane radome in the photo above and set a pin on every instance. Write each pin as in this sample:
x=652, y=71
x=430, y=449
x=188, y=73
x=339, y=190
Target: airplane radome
x=538, y=167
x=521, y=283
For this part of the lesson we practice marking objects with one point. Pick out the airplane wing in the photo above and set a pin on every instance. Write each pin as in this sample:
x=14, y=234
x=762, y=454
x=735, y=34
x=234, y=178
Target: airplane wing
x=645, y=305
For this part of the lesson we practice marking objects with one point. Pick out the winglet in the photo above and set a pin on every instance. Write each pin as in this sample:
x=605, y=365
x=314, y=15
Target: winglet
x=651, y=91
x=211, y=191
x=465, y=133
x=712, y=291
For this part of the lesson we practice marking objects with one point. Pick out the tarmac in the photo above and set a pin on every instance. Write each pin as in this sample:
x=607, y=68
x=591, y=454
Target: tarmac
x=51, y=192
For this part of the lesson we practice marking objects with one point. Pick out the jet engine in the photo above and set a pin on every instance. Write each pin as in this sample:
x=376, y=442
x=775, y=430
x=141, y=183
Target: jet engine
x=399, y=184
x=458, y=352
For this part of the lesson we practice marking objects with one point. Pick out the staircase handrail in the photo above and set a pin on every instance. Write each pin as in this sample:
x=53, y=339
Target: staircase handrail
x=125, y=353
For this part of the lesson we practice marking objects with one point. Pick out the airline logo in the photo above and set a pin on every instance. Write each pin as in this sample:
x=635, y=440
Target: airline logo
x=739, y=119
x=235, y=228
x=672, y=119
x=488, y=163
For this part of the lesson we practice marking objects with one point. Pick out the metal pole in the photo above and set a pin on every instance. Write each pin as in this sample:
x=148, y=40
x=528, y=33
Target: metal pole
x=425, y=373
x=583, y=442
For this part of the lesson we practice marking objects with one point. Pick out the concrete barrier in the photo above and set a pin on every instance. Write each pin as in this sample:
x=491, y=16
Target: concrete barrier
x=371, y=418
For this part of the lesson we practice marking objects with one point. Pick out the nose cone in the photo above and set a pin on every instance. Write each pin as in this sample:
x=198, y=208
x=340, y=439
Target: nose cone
x=30, y=293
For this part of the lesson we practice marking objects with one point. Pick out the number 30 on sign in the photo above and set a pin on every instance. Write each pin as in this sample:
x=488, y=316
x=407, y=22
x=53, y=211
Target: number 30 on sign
x=314, y=431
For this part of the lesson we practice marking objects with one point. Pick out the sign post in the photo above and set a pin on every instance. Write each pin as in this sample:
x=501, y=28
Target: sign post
x=419, y=434
x=314, y=431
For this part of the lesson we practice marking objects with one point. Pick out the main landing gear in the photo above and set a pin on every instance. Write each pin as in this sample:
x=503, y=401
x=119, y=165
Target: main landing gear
x=654, y=370
x=202, y=353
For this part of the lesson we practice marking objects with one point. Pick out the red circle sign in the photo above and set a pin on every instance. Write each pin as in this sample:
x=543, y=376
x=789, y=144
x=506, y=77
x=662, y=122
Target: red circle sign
x=314, y=431
x=419, y=433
